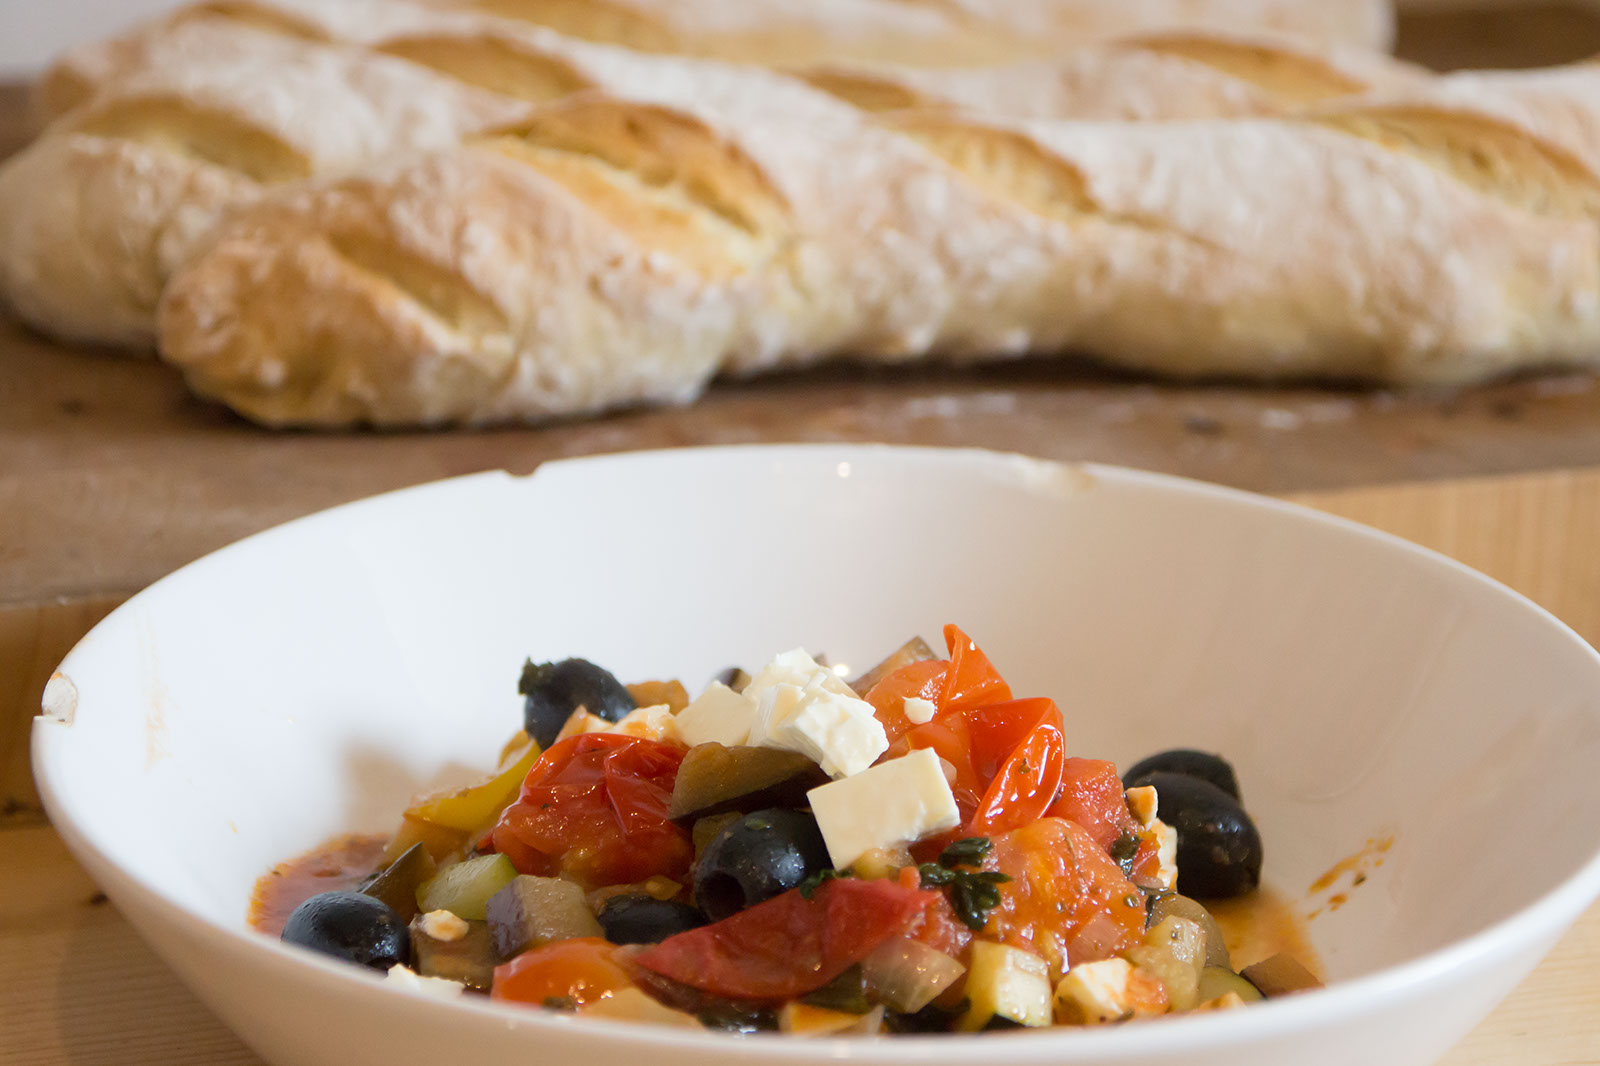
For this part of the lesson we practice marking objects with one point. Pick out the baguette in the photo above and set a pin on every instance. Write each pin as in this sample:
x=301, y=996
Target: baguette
x=773, y=32
x=214, y=110
x=96, y=214
x=621, y=248
x=930, y=32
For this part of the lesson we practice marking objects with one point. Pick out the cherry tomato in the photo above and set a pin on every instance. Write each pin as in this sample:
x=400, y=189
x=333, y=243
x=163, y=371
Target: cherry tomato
x=967, y=679
x=789, y=945
x=594, y=810
x=1066, y=900
x=971, y=680
x=567, y=973
x=923, y=680
x=1007, y=756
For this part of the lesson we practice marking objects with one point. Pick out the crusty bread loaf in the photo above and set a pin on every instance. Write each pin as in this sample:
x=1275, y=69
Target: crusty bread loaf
x=1154, y=76
x=209, y=110
x=96, y=214
x=773, y=32
x=782, y=33
x=625, y=246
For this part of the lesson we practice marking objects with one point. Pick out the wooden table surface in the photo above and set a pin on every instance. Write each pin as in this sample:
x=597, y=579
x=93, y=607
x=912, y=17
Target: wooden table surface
x=111, y=475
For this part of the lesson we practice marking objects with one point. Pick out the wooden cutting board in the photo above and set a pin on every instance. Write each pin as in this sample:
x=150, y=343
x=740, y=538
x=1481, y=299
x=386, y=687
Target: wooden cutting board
x=81, y=989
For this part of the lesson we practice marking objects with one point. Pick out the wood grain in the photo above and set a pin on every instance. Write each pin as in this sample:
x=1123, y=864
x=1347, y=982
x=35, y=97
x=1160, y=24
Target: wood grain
x=33, y=639
x=81, y=989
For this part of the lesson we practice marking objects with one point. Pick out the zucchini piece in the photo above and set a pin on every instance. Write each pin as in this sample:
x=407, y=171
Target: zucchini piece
x=1216, y=982
x=469, y=958
x=1005, y=982
x=713, y=779
x=465, y=888
x=398, y=882
x=531, y=912
x=1174, y=952
x=915, y=650
x=1281, y=975
x=1170, y=904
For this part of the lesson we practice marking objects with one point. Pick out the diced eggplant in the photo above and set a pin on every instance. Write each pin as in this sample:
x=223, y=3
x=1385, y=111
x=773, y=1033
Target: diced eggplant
x=655, y=693
x=469, y=958
x=465, y=888
x=847, y=993
x=1219, y=981
x=713, y=779
x=1280, y=975
x=1005, y=982
x=397, y=884
x=915, y=650
x=530, y=912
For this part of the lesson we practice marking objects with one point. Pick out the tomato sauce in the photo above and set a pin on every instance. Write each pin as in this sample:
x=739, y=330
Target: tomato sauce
x=1261, y=925
x=341, y=863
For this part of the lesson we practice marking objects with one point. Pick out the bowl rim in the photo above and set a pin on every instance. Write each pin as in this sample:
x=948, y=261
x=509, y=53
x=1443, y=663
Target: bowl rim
x=1546, y=916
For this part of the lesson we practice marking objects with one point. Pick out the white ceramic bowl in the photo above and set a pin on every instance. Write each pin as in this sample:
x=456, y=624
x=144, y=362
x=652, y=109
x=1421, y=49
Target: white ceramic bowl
x=305, y=682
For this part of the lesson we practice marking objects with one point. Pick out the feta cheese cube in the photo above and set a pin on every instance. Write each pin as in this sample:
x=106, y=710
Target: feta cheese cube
x=1166, y=854
x=718, y=715
x=892, y=803
x=918, y=710
x=402, y=976
x=444, y=926
x=804, y=707
x=649, y=723
x=1142, y=804
x=1095, y=993
x=841, y=733
x=798, y=669
x=581, y=721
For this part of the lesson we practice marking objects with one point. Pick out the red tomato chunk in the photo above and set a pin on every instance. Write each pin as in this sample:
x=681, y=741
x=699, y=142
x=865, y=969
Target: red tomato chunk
x=789, y=945
x=594, y=809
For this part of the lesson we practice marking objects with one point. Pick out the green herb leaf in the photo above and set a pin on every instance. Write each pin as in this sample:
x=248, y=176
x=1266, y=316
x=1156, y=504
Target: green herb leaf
x=935, y=876
x=969, y=852
x=1124, y=850
x=974, y=895
x=809, y=886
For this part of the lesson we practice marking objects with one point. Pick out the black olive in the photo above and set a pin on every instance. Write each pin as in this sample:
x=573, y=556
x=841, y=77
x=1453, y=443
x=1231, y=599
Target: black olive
x=555, y=690
x=635, y=918
x=930, y=1019
x=756, y=857
x=1205, y=766
x=352, y=927
x=1219, y=848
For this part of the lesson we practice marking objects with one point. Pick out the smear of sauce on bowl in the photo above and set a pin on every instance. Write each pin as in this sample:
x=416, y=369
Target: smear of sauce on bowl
x=341, y=863
x=1261, y=925
x=1355, y=867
